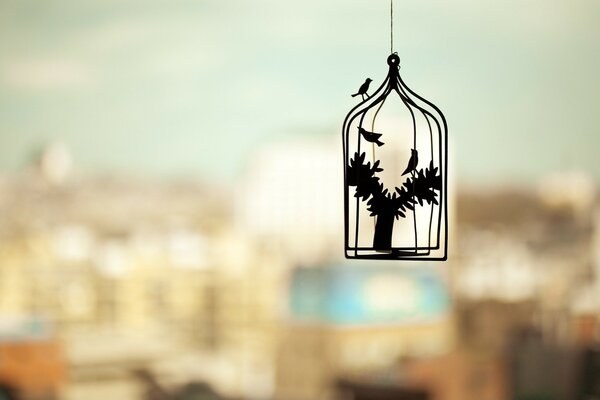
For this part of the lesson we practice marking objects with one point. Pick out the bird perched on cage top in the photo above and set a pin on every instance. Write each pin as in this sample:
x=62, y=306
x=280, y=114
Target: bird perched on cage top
x=363, y=88
x=412, y=163
x=371, y=136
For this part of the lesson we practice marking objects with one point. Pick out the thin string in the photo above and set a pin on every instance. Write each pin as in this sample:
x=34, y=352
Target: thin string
x=391, y=26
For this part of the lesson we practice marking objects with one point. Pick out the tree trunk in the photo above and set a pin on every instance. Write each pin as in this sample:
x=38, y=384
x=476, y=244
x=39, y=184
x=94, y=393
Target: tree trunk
x=383, y=232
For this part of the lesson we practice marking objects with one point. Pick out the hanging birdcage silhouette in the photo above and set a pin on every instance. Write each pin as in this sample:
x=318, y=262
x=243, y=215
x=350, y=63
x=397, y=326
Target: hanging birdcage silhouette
x=395, y=174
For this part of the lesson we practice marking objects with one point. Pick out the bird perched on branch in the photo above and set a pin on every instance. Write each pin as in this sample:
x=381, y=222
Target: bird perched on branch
x=363, y=88
x=371, y=136
x=412, y=163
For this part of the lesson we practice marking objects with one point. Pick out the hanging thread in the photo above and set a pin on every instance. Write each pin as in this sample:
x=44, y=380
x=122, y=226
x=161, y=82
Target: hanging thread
x=391, y=26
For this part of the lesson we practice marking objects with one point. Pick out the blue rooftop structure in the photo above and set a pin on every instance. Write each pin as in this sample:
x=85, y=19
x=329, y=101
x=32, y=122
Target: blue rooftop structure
x=350, y=294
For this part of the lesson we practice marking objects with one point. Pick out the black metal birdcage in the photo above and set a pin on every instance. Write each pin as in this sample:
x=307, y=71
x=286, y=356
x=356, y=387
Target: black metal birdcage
x=395, y=174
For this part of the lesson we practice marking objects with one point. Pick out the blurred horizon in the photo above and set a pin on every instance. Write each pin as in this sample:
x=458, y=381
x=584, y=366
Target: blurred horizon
x=188, y=88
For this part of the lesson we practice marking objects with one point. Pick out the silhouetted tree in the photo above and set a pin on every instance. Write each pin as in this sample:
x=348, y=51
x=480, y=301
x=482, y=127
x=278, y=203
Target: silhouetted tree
x=385, y=205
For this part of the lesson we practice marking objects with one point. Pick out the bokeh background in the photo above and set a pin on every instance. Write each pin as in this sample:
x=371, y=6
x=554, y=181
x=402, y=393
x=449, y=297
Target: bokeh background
x=161, y=235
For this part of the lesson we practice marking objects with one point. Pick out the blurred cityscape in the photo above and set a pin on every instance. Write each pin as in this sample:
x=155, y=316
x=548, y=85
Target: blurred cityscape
x=114, y=287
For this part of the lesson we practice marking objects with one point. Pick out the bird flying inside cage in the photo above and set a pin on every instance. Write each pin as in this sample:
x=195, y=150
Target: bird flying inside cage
x=395, y=174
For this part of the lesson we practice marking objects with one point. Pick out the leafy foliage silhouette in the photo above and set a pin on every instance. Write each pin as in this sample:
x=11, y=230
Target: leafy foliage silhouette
x=418, y=189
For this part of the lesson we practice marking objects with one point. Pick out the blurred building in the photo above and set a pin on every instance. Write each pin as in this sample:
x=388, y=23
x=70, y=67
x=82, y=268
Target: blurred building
x=348, y=320
x=290, y=198
x=525, y=282
x=138, y=274
x=530, y=251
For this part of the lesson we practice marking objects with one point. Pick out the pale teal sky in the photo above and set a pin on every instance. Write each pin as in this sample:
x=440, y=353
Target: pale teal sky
x=173, y=88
